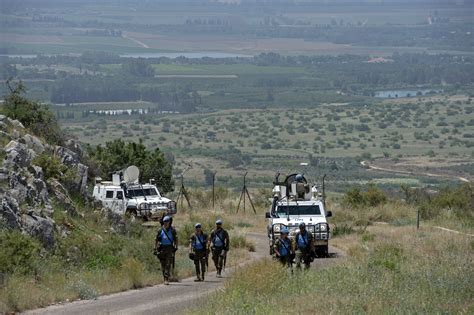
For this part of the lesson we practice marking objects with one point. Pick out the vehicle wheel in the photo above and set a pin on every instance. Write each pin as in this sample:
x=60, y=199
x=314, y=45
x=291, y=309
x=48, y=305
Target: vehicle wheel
x=322, y=251
x=131, y=213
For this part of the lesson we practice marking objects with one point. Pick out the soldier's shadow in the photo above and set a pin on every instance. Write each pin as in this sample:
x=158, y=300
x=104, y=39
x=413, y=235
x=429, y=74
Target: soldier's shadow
x=181, y=284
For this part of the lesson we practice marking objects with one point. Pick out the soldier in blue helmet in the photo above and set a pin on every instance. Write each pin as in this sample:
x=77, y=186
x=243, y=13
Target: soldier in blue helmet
x=198, y=251
x=284, y=249
x=220, y=246
x=166, y=244
x=303, y=247
x=301, y=187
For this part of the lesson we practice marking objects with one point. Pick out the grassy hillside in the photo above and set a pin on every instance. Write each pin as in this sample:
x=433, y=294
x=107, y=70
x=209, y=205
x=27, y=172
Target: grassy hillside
x=426, y=268
x=387, y=268
x=100, y=255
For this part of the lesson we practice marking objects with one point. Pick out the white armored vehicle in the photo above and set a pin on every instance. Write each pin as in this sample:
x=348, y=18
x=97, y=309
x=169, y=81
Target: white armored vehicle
x=125, y=195
x=296, y=201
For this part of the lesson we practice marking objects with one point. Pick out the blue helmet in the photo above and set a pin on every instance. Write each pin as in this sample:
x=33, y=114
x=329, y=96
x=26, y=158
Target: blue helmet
x=219, y=222
x=284, y=231
x=167, y=219
x=299, y=178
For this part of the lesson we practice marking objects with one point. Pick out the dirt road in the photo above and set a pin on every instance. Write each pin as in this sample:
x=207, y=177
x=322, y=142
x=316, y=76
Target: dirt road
x=389, y=170
x=161, y=299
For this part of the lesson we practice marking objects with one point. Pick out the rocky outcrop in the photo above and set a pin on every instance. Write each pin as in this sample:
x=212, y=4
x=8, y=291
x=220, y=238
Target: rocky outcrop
x=26, y=196
x=10, y=213
x=72, y=159
x=62, y=198
x=40, y=227
x=18, y=155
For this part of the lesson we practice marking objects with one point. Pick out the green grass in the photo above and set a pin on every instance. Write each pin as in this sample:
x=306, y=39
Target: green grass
x=96, y=259
x=394, y=273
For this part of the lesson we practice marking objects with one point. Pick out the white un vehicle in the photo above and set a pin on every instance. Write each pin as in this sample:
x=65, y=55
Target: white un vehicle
x=125, y=195
x=296, y=201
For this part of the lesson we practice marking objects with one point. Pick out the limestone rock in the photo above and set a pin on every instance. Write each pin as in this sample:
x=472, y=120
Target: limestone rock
x=10, y=213
x=16, y=124
x=33, y=143
x=66, y=156
x=41, y=228
x=18, y=155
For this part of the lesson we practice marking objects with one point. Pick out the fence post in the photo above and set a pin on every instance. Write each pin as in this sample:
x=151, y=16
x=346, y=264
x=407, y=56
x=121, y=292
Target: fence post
x=418, y=219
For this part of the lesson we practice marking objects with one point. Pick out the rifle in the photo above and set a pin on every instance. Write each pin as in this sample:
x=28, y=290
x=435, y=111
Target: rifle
x=225, y=260
x=175, y=248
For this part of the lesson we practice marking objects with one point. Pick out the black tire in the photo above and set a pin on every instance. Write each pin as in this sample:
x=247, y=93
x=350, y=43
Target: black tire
x=129, y=213
x=322, y=251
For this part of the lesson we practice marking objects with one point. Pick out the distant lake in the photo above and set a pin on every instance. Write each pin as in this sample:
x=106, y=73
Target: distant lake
x=191, y=55
x=19, y=56
x=406, y=93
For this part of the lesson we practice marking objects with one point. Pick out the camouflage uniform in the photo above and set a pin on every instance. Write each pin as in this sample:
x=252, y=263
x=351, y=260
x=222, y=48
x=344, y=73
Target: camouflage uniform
x=304, y=249
x=199, y=248
x=286, y=248
x=220, y=246
x=168, y=244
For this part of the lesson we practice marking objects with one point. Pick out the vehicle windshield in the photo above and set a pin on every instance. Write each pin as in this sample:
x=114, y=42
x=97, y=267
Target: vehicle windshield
x=298, y=210
x=138, y=192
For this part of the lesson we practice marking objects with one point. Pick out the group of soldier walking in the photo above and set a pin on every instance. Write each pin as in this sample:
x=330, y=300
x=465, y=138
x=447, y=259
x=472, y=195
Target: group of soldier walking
x=300, y=248
x=200, y=245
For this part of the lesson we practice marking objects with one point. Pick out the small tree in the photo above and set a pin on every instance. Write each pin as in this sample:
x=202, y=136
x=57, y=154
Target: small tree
x=117, y=155
x=34, y=116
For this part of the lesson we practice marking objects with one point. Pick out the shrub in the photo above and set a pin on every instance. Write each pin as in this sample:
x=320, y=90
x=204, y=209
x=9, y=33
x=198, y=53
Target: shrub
x=459, y=200
x=52, y=167
x=373, y=197
x=34, y=116
x=83, y=290
x=18, y=253
x=135, y=271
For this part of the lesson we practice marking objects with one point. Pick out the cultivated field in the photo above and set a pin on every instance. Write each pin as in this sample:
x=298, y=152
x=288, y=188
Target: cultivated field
x=264, y=141
x=146, y=28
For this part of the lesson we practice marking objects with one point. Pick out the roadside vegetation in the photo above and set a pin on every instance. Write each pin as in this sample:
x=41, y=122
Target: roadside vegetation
x=387, y=268
x=100, y=253
x=93, y=251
